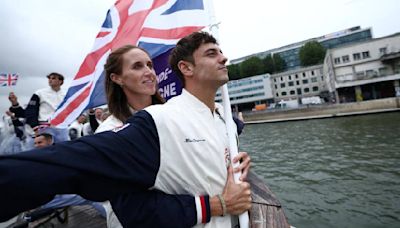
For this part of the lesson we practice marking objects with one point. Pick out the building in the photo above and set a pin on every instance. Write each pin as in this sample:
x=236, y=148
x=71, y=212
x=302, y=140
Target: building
x=299, y=83
x=364, y=71
x=246, y=93
x=290, y=53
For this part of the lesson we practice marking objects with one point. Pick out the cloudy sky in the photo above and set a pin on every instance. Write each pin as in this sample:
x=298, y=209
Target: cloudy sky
x=41, y=36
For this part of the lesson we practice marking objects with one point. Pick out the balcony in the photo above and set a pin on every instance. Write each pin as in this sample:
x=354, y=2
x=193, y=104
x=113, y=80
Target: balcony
x=390, y=57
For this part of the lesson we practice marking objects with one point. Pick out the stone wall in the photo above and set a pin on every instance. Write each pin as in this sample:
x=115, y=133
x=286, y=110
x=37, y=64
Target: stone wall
x=325, y=110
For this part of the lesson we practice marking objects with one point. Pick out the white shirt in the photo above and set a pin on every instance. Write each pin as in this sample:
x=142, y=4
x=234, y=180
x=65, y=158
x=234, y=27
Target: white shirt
x=49, y=101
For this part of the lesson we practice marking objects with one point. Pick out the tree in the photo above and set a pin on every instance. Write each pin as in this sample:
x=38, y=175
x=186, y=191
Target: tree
x=250, y=67
x=279, y=63
x=234, y=71
x=269, y=64
x=273, y=64
x=312, y=53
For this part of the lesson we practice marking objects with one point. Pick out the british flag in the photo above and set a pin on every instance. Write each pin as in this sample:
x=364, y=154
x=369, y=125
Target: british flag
x=155, y=25
x=8, y=79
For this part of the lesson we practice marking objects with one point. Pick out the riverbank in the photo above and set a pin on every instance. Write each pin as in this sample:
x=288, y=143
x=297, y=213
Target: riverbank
x=323, y=111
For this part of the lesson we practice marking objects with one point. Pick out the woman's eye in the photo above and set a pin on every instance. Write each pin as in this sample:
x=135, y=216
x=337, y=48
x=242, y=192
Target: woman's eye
x=137, y=66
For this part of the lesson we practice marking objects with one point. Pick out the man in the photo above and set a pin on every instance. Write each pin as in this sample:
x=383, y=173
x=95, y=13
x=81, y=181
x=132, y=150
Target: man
x=76, y=128
x=42, y=140
x=95, y=119
x=42, y=105
x=178, y=148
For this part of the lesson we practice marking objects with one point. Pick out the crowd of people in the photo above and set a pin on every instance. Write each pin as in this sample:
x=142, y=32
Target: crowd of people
x=155, y=172
x=22, y=125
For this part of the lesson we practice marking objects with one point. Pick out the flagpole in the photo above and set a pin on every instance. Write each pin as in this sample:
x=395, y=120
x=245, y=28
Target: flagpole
x=230, y=125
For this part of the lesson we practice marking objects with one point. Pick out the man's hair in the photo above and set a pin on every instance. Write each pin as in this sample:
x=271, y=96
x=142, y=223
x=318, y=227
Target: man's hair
x=116, y=99
x=47, y=136
x=59, y=76
x=185, y=48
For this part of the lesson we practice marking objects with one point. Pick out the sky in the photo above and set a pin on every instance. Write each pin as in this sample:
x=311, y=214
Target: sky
x=42, y=36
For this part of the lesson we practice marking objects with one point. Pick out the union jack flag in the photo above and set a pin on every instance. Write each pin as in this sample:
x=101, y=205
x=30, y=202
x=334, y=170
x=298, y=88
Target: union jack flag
x=8, y=79
x=155, y=25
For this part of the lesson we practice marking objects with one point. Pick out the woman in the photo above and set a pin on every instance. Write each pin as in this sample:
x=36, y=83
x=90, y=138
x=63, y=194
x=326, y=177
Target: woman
x=131, y=85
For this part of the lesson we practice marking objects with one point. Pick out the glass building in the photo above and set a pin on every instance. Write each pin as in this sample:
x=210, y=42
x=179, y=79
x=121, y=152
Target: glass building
x=290, y=53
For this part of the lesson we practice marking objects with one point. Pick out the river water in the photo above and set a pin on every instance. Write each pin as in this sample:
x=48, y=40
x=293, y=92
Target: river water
x=336, y=172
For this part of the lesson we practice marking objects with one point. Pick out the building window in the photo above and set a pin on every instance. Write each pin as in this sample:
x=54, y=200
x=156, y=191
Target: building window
x=356, y=56
x=315, y=88
x=290, y=77
x=281, y=79
x=297, y=82
x=283, y=93
x=306, y=90
x=305, y=81
x=370, y=73
x=382, y=50
x=274, y=79
x=304, y=74
x=360, y=74
x=299, y=91
x=277, y=94
x=292, y=92
x=337, y=60
x=312, y=72
x=345, y=58
x=383, y=71
x=276, y=87
x=296, y=76
x=283, y=85
x=314, y=79
x=322, y=78
x=365, y=54
x=291, y=83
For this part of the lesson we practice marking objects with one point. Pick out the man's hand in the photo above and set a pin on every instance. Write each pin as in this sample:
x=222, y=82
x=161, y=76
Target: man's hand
x=13, y=99
x=10, y=114
x=237, y=196
x=244, y=166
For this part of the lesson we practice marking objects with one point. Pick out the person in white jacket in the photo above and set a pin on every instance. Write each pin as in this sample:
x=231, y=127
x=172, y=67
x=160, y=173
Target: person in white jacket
x=128, y=91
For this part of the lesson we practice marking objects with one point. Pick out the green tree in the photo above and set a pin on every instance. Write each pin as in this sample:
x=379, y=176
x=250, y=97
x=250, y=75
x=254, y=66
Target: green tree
x=269, y=66
x=279, y=63
x=273, y=63
x=234, y=71
x=312, y=53
x=252, y=66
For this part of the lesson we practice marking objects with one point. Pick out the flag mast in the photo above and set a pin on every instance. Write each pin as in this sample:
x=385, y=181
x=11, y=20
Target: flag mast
x=230, y=125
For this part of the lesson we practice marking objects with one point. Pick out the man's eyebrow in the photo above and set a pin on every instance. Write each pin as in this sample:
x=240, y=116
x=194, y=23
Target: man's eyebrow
x=212, y=50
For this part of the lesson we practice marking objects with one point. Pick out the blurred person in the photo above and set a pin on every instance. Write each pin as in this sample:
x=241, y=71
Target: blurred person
x=41, y=107
x=43, y=140
x=95, y=119
x=76, y=128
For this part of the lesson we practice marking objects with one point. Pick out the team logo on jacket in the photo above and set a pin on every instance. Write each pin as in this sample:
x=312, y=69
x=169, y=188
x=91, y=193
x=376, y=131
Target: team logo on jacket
x=194, y=140
x=117, y=129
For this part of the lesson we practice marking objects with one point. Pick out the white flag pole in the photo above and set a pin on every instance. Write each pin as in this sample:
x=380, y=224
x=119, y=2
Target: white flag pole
x=230, y=125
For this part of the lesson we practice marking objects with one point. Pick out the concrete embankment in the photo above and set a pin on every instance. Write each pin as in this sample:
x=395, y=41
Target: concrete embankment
x=323, y=111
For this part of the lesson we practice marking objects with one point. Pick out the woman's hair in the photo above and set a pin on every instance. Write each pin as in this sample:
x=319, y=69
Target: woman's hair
x=116, y=98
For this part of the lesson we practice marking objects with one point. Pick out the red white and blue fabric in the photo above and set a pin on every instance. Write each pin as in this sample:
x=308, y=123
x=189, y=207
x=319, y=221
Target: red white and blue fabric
x=8, y=79
x=155, y=25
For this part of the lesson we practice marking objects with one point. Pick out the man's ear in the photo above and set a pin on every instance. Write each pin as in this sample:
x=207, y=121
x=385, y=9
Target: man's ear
x=116, y=78
x=186, y=68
